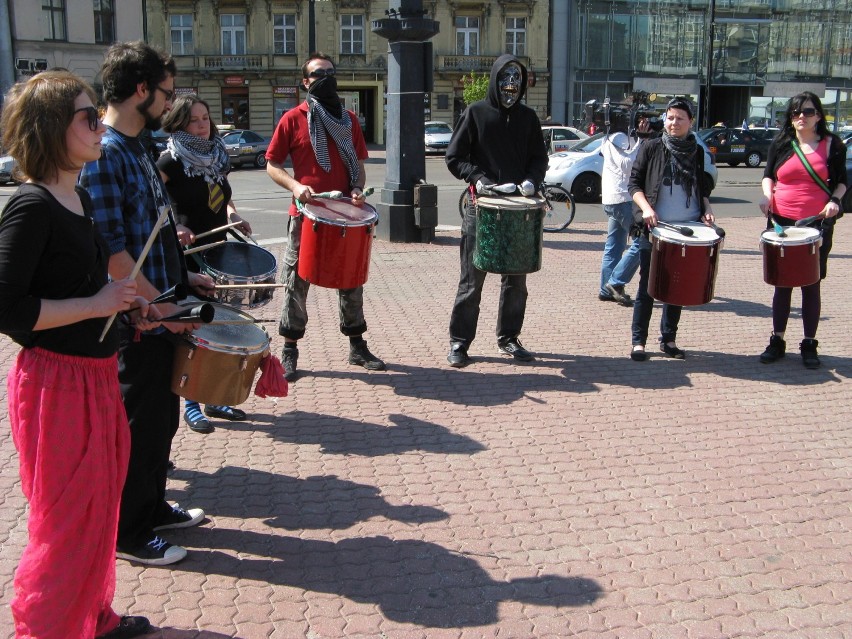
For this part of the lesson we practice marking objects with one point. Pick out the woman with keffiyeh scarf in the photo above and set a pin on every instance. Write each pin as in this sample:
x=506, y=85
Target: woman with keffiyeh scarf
x=667, y=184
x=195, y=169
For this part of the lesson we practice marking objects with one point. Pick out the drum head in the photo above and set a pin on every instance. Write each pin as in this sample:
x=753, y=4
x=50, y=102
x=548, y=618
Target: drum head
x=250, y=338
x=239, y=259
x=508, y=203
x=701, y=234
x=340, y=212
x=795, y=235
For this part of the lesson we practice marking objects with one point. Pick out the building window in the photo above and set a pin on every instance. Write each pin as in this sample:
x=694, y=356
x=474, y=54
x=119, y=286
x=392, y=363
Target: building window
x=284, y=34
x=181, y=30
x=233, y=33
x=104, y=21
x=351, y=34
x=467, y=35
x=516, y=36
x=54, y=19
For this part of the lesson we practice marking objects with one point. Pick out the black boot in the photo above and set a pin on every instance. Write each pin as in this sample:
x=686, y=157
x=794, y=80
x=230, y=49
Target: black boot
x=808, y=348
x=774, y=351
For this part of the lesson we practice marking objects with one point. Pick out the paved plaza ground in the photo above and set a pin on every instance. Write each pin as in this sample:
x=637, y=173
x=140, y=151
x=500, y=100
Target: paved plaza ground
x=583, y=495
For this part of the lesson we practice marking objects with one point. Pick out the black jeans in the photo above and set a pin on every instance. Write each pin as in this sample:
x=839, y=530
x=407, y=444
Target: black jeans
x=145, y=373
x=465, y=315
x=644, y=305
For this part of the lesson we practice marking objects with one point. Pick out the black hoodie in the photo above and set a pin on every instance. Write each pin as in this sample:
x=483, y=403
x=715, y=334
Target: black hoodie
x=500, y=144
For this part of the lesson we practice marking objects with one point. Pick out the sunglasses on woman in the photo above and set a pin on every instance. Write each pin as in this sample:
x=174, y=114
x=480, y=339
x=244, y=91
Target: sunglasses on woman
x=91, y=116
x=808, y=113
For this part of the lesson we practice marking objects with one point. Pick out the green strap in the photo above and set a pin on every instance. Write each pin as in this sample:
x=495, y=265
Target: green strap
x=810, y=169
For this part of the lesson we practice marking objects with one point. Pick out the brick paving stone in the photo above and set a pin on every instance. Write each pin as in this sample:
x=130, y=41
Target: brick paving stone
x=584, y=495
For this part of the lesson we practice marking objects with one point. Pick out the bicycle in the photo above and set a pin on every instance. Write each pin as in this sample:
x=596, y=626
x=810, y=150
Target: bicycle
x=556, y=218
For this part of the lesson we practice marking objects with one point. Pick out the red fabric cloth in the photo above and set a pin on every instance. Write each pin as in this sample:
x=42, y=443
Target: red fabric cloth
x=271, y=382
x=70, y=429
x=797, y=195
x=292, y=138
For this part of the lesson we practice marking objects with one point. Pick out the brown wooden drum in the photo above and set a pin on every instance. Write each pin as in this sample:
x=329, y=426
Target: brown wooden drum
x=216, y=364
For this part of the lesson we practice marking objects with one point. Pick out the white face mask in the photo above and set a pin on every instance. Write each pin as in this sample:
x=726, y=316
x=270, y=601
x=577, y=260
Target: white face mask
x=509, y=83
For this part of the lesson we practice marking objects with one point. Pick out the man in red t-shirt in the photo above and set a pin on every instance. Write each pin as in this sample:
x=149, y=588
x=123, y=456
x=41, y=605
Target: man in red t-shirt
x=328, y=151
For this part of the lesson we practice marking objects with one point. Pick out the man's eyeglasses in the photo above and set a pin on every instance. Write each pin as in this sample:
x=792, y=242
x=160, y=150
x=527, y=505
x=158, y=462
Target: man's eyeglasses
x=321, y=73
x=808, y=113
x=170, y=95
x=91, y=117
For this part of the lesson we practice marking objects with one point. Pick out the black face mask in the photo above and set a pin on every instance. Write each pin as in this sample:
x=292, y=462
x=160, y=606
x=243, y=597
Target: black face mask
x=324, y=91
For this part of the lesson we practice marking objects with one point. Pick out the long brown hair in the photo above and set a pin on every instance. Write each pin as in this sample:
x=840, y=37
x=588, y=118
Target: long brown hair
x=178, y=118
x=36, y=117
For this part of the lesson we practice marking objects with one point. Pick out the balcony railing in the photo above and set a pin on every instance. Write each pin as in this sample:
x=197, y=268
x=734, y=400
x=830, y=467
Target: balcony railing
x=468, y=63
x=233, y=62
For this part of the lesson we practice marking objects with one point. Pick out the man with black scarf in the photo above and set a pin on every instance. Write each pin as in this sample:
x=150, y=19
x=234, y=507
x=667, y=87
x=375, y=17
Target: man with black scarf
x=497, y=141
x=328, y=151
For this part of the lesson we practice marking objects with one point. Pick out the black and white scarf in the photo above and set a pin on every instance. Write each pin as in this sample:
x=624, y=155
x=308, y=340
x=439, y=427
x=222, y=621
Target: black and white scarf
x=681, y=153
x=321, y=124
x=200, y=157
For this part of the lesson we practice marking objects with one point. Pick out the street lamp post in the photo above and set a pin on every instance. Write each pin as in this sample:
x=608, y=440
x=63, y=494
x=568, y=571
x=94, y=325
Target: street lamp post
x=709, y=79
x=409, y=207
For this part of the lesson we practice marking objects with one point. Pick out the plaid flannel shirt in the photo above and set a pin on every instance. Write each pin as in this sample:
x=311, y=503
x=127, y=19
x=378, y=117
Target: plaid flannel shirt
x=126, y=201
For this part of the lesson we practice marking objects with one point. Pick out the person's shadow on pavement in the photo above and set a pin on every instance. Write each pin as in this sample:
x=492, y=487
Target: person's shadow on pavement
x=411, y=581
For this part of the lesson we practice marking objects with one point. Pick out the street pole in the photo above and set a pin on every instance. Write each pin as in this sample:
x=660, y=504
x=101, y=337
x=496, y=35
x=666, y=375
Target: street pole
x=408, y=211
x=709, y=79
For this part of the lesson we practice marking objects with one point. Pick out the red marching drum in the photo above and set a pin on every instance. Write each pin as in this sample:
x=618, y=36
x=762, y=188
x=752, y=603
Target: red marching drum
x=683, y=268
x=793, y=260
x=335, y=243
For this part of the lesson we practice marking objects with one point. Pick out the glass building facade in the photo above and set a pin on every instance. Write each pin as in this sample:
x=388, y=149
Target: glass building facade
x=737, y=59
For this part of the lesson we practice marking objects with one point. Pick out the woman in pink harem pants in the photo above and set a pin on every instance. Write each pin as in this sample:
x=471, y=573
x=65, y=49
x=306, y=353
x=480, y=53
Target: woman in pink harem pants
x=68, y=420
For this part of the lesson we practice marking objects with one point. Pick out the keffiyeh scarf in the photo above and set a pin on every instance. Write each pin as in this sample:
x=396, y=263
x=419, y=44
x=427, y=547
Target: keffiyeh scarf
x=681, y=152
x=200, y=157
x=321, y=124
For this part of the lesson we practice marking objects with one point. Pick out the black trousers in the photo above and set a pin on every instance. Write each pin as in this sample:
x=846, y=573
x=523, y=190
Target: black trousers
x=144, y=373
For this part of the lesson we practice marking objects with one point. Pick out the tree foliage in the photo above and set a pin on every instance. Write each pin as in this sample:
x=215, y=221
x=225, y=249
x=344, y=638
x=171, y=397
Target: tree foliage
x=475, y=87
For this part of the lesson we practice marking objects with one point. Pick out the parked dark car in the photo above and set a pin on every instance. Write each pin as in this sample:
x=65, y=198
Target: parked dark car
x=736, y=146
x=246, y=147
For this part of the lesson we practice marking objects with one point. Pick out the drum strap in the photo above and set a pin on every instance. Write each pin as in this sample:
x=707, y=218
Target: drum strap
x=820, y=182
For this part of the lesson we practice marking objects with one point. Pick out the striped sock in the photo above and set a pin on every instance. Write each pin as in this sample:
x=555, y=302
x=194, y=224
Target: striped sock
x=192, y=411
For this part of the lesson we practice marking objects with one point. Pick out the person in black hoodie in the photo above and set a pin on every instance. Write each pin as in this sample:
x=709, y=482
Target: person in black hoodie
x=497, y=141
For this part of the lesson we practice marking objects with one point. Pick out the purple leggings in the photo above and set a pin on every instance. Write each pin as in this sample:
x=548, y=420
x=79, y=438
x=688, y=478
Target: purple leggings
x=810, y=308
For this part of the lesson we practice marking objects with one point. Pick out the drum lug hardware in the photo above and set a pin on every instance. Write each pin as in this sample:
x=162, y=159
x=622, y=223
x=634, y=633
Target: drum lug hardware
x=813, y=248
x=343, y=231
x=683, y=250
x=527, y=217
x=712, y=250
x=316, y=226
x=244, y=363
x=782, y=250
x=497, y=216
x=183, y=380
x=190, y=353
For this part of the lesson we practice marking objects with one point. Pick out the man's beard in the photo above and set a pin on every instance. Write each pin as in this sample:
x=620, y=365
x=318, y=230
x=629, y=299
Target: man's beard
x=152, y=123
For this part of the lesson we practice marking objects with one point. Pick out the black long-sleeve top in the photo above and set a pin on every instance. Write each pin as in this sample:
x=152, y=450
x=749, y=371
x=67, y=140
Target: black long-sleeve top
x=49, y=252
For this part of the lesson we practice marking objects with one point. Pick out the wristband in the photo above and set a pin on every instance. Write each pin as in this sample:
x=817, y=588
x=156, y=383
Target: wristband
x=834, y=200
x=355, y=186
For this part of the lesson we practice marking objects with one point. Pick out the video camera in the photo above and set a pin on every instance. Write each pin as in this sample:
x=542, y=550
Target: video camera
x=613, y=117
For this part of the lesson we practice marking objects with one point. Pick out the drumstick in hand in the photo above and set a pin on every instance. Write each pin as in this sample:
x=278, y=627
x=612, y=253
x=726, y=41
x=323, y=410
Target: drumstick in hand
x=217, y=230
x=683, y=230
x=164, y=215
x=203, y=247
x=808, y=220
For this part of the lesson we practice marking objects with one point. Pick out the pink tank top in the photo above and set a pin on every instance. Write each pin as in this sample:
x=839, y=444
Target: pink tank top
x=797, y=195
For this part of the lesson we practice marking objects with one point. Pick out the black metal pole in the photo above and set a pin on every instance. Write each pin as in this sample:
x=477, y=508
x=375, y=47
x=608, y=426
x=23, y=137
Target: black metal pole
x=312, y=28
x=709, y=79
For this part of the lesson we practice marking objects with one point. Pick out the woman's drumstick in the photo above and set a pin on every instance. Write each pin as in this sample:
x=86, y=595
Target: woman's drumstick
x=164, y=214
x=223, y=286
x=203, y=247
x=218, y=230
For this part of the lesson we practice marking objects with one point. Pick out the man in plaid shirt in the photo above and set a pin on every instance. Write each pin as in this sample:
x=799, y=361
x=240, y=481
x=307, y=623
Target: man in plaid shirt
x=128, y=195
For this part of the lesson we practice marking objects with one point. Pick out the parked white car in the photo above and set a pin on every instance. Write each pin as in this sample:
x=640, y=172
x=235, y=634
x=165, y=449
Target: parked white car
x=437, y=136
x=7, y=167
x=561, y=138
x=579, y=170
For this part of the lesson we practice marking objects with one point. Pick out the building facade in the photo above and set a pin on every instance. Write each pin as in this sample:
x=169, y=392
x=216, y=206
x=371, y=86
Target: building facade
x=72, y=34
x=737, y=59
x=244, y=57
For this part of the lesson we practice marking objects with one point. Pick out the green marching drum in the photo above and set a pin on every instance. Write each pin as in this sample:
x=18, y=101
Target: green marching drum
x=508, y=234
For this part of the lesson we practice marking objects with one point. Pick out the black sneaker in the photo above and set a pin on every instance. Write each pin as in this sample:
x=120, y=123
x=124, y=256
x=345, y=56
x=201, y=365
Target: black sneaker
x=808, y=348
x=458, y=357
x=157, y=552
x=774, y=351
x=290, y=357
x=360, y=355
x=513, y=347
x=180, y=518
x=128, y=627
x=225, y=412
x=197, y=422
x=619, y=295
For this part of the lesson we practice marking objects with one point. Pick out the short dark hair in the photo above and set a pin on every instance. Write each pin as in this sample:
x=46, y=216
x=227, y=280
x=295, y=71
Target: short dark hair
x=178, y=118
x=680, y=103
x=36, y=116
x=316, y=55
x=126, y=64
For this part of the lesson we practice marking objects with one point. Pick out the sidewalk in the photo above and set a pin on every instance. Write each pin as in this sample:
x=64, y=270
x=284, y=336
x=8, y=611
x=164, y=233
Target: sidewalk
x=583, y=495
